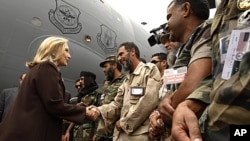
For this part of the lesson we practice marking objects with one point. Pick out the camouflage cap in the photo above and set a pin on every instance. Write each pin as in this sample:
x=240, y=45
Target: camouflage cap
x=87, y=74
x=109, y=59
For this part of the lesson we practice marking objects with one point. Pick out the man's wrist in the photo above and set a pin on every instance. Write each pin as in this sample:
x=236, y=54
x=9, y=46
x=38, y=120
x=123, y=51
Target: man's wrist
x=154, y=114
x=195, y=105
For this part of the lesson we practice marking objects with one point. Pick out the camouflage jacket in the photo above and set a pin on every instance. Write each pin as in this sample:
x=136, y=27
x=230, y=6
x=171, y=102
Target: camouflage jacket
x=109, y=92
x=229, y=98
x=196, y=47
x=110, y=88
x=86, y=130
x=91, y=98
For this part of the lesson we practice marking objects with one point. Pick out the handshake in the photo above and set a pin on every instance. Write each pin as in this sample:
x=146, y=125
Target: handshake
x=92, y=112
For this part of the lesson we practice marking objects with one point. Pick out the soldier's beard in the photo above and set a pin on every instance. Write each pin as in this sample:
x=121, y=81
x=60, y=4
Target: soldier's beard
x=172, y=55
x=171, y=59
x=128, y=64
x=110, y=74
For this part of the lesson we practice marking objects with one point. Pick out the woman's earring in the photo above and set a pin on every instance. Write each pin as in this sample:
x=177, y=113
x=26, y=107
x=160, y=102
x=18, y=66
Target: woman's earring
x=53, y=55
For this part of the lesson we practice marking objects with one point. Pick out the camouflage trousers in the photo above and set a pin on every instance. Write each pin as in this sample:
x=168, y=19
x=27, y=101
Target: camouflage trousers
x=209, y=135
x=83, y=134
x=221, y=135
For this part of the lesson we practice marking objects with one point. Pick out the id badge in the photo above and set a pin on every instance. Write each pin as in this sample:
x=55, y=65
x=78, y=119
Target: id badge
x=137, y=91
x=175, y=76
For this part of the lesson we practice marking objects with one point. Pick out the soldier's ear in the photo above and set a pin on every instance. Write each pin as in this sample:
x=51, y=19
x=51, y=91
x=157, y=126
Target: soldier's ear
x=165, y=62
x=186, y=9
x=114, y=65
x=132, y=51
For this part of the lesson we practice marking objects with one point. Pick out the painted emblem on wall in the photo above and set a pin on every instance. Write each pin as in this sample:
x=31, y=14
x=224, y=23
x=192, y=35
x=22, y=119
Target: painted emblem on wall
x=65, y=17
x=107, y=39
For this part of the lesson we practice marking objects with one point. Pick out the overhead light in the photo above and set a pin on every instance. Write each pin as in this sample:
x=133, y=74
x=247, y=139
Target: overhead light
x=144, y=23
x=87, y=39
x=36, y=21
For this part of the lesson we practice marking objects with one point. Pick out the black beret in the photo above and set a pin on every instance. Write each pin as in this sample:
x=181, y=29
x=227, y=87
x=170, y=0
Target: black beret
x=87, y=74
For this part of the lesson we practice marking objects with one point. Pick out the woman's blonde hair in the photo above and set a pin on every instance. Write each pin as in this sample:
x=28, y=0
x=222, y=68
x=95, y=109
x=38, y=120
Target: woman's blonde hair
x=51, y=49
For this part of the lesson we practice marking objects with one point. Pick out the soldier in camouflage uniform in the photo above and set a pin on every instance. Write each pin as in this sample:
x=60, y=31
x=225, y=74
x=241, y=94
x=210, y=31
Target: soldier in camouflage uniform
x=229, y=98
x=195, y=53
x=89, y=95
x=114, y=78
